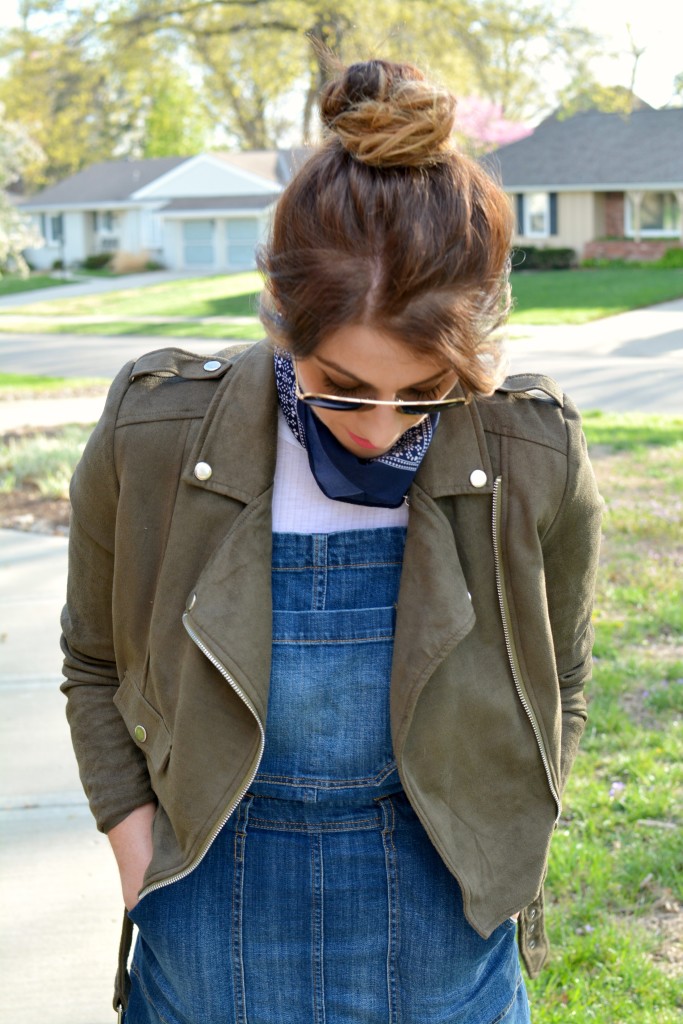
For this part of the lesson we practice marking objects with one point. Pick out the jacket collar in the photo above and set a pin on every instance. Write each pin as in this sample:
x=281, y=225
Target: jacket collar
x=238, y=439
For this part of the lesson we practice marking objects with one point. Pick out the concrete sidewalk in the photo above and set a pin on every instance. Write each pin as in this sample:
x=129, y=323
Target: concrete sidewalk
x=59, y=893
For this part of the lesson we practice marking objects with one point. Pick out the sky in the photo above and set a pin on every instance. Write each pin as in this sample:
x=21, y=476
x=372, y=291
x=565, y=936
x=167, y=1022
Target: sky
x=657, y=26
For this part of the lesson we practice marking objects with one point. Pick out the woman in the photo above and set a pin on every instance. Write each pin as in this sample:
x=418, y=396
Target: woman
x=328, y=613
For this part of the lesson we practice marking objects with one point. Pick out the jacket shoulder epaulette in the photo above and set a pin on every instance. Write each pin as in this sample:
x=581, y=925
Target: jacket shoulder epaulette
x=533, y=385
x=176, y=362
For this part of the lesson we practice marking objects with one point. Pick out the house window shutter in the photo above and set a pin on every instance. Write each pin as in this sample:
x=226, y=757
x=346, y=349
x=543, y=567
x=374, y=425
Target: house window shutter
x=553, y=213
x=520, y=213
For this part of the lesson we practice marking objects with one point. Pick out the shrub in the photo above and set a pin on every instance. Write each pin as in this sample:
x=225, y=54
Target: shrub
x=97, y=262
x=672, y=258
x=529, y=257
x=58, y=264
x=154, y=265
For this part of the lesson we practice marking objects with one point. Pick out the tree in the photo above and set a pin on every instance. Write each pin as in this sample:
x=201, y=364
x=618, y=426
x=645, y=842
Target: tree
x=17, y=232
x=483, y=127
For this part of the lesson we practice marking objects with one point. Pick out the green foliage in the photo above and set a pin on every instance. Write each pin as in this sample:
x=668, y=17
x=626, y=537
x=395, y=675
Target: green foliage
x=141, y=78
x=528, y=257
x=672, y=258
x=44, y=462
x=97, y=261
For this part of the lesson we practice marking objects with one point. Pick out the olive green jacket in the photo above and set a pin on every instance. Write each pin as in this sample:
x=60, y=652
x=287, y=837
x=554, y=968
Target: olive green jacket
x=167, y=626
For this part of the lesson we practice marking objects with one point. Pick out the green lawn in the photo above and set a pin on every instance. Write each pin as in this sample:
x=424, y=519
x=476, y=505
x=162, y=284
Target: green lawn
x=228, y=332
x=26, y=385
x=616, y=867
x=577, y=296
x=223, y=295
x=541, y=297
x=11, y=285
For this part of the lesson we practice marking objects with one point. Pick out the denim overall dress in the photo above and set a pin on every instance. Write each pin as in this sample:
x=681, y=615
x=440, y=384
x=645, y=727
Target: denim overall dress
x=323, y=901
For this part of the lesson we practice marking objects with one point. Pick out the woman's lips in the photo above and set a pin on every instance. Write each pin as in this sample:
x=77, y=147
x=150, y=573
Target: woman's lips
x=361, y=441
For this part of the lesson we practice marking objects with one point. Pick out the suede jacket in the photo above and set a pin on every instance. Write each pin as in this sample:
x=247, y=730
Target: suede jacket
x=167, y=626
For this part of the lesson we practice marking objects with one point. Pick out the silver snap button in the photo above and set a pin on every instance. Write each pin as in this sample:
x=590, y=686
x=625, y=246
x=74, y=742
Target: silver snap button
x=532, y=913
x=478, y=478
x=140, y=733
x=203, y=471
x=532, y=944
x=212, y=365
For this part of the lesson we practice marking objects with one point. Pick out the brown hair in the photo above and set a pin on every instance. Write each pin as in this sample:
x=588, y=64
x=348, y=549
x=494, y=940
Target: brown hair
x=388, y=225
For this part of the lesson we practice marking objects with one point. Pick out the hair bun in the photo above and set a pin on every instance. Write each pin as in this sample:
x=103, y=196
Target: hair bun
x=389, y=115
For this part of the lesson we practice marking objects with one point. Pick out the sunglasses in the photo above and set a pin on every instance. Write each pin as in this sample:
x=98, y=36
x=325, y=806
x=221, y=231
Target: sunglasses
x=336, y=404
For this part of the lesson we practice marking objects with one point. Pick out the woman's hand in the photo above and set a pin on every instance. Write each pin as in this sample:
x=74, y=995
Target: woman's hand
x=131, y=841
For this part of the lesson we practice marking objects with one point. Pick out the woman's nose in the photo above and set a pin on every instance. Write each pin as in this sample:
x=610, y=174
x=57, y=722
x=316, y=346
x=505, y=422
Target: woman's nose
x=383, y=424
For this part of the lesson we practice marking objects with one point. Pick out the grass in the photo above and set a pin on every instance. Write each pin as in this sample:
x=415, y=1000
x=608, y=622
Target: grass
x=617, y=857
x=25, y=385
x=107, y=328
x=12, y=285
x=578, y=296
x=541, y=297
x=222, y=295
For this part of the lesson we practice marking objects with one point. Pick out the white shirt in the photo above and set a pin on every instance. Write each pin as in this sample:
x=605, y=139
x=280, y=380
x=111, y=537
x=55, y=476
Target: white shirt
x=299, y=506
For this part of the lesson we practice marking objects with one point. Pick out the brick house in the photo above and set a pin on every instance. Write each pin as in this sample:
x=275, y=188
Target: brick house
x=605, y=185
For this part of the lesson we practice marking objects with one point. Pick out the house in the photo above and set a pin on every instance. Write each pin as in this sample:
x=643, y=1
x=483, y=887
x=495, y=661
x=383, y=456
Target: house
x=205, y=213
x=605, y=185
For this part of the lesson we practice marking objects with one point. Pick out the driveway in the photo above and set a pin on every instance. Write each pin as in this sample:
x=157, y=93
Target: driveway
x=632, y=362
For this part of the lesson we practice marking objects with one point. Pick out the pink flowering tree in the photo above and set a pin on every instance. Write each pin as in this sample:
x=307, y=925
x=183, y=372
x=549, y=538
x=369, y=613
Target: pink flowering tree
x=481, y=124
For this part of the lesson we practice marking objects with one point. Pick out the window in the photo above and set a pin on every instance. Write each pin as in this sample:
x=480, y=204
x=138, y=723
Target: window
x=109, y=222
x=536, y=214
x=241, y=240
x=198, y=243
x=659, y=214
x=52, y=228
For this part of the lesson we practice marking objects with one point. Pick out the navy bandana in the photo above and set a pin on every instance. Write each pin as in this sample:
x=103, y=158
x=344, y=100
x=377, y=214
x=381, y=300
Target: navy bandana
x=381, y=482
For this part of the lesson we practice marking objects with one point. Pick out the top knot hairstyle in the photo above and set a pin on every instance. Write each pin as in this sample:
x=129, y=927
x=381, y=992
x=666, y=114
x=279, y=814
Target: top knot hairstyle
x=388, y=115
x=389, y=226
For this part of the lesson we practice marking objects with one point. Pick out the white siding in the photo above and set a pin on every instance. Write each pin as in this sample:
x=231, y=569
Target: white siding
x=206, y=177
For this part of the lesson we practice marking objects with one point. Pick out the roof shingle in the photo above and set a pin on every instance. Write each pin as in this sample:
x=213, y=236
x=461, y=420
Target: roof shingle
x=596, y=149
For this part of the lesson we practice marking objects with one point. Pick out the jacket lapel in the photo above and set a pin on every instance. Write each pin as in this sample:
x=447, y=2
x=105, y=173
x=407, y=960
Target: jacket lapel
x=434, y=608
x=231, y=605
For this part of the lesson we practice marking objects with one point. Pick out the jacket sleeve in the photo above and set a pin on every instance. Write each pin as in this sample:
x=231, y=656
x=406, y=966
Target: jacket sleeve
x=113, y=771
x=571, y=548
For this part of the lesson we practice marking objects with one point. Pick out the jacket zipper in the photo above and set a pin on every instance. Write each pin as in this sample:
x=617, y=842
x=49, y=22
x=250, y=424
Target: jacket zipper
x=509, y=643
x=217, y=828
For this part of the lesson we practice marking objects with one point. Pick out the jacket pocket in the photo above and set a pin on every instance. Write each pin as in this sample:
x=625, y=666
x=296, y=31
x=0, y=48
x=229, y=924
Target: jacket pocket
x=144, y=723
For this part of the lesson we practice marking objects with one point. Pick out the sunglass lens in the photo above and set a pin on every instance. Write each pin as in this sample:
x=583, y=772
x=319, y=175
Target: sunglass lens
x=336, y=404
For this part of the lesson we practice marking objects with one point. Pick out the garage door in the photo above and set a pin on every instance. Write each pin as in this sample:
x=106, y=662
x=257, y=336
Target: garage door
x=198, y=247
x=241, y=238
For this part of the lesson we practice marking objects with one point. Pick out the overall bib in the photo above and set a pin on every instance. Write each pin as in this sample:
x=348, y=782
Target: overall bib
x=323, y=901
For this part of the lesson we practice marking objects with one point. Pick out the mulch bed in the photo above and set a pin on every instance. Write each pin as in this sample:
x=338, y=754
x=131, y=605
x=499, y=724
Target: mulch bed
x=26, y=509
